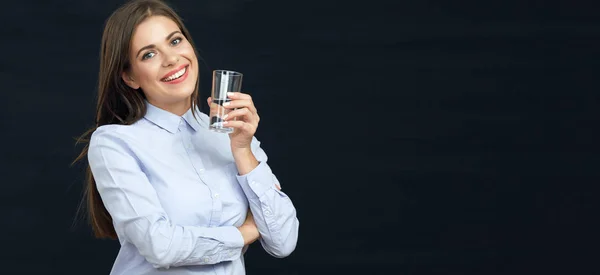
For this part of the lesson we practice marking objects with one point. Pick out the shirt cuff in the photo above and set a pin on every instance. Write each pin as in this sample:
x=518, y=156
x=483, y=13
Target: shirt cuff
x=233, y=242
x=232, y=237
x=258, y=181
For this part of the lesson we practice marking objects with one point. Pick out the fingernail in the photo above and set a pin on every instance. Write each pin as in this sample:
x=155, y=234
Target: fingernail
x=225, y=122
x=225, y=116
x=226, y=104
x=229, y=93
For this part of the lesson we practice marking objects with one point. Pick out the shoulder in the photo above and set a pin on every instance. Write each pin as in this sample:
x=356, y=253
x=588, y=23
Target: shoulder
x=114, y=137
x=108, y=132
x=202, y=118
x=112, y=145
x=201, y=115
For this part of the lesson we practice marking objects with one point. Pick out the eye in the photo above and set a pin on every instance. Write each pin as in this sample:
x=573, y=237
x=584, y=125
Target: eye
x=148, y=55
x=175, y=41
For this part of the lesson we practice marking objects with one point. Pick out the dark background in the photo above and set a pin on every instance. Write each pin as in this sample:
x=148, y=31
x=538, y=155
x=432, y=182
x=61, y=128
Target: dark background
x=414, y=137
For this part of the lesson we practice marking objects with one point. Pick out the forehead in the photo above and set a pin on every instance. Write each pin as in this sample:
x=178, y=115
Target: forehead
x=153, y=30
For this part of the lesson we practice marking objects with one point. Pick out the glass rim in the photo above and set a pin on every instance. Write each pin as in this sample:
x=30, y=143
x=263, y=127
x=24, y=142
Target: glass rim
x=229, y=72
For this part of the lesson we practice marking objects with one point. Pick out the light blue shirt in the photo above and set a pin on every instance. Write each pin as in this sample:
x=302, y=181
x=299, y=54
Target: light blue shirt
x=175, y=196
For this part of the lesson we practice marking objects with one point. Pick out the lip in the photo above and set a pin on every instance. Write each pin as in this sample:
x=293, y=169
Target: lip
x=182, y=78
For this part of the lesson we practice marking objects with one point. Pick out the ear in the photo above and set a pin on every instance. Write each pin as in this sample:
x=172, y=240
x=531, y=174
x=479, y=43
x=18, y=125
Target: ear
x=130, y=81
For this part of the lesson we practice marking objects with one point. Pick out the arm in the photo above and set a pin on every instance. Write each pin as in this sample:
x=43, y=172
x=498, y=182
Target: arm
x=274, y=213
x=139, y=218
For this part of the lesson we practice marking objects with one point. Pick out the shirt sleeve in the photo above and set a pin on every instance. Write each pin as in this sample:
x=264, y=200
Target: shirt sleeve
x=273, y=211
x=139, y=218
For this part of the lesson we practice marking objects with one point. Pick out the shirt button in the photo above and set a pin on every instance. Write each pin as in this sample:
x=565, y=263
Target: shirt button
x=253, y=183
x=201, y=171
x=268, y=213
x=216, y=195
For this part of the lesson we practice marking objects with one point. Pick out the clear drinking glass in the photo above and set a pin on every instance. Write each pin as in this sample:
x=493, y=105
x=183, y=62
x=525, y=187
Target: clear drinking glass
x=224, y=81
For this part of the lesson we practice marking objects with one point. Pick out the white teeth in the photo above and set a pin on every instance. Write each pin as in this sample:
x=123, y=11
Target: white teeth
x=176, y=75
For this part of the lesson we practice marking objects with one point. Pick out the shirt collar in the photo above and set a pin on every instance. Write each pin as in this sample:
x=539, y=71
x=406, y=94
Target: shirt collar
x=168, y=120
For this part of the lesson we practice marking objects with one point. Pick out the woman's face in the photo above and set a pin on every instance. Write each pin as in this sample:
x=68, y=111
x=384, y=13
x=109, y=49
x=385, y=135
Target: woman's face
x=163, y=64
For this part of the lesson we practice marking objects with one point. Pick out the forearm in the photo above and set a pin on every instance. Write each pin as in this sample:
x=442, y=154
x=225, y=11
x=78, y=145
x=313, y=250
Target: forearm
x=275, y=218
x=274, y=212
x=249, y=234
x=165, y=244
x=244, y=160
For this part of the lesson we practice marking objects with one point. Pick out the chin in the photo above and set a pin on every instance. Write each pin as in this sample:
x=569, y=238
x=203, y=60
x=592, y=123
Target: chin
x=182, y=95
x=183, y=90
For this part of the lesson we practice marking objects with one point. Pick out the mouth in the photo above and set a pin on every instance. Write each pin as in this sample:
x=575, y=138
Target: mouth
x=177, y=75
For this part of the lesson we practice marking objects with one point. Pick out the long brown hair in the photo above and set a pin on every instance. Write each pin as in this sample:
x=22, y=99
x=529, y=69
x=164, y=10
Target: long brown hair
x=118, y=103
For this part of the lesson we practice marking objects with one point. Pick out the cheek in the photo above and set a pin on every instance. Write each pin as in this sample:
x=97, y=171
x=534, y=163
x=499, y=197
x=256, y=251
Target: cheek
x=147, y=73
x=187, y=51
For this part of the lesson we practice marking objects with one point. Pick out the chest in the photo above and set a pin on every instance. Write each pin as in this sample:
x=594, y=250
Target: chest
x=195, y=180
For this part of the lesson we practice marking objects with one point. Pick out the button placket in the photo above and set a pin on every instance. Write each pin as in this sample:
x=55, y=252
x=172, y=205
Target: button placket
x=217, y=204
x=193, y=156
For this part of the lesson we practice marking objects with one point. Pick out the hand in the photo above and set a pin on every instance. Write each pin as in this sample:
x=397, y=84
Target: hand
x=244, y=112
x=249, y=230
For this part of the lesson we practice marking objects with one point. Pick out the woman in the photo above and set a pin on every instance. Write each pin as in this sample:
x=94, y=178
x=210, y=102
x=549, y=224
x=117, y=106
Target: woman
x=180, y=198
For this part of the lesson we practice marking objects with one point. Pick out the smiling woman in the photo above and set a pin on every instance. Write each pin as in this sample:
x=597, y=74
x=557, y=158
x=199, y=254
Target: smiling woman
x=179, y=198
x=162, y=57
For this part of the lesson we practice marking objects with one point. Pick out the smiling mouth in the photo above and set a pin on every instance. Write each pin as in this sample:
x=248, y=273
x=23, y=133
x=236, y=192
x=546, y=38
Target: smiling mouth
x=176, y=75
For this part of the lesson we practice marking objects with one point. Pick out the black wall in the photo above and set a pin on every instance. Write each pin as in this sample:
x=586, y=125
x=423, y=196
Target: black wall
x=414, y=137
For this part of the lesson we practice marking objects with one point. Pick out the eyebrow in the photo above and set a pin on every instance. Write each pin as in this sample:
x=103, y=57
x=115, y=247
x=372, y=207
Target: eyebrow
x=152, y=45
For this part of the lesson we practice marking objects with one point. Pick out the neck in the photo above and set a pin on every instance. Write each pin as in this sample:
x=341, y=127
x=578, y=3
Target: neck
x=178, y=108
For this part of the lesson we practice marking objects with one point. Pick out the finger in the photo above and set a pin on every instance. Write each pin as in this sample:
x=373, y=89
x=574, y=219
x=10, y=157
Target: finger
x=242, y=113
x=278, y=187
x=208, y=100
x=240, y=103
x=242, y=96
x=240, y=126
x=238, y=95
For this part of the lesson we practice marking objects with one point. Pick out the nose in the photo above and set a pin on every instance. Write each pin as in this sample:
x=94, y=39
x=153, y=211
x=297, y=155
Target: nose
x=171, y=59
